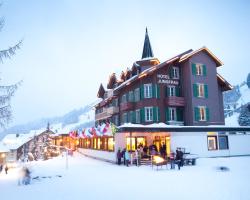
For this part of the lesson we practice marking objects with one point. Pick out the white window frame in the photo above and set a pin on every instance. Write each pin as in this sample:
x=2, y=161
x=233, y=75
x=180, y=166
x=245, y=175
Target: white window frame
x=199, y=69
x=137, y=116
x=130, y=96
x=148, y=90
x=201, y=90
x=124, y=98
x=148, y=114
x=172, y=113
x=176, y=73
x=172, y=91
x=202, y=110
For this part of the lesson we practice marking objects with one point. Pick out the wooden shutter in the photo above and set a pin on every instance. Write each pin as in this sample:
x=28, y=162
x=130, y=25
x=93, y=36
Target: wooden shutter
x=194, y=69
x=171, y=72
x=154, y=114
x=167, y=91
x=142, y=91
x=204, y=69
x=157, y=91
x=142, y=115
x=206, y=91
x=177, y=91
x=195, y=90
x=134, y=117
x=158, y=112
x=167, y=114
x=207, y=114
x=196, y=114
x=179, y=113
x=154, y=91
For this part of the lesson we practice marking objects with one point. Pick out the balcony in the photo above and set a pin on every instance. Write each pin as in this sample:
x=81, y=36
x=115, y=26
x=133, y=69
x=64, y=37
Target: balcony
x=174, y=101
x=127, y=106
x=178, y=123
x=112, y=110
x=103, y=115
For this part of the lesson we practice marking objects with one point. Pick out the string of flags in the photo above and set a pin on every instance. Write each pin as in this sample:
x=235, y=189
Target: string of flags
x=108, y=129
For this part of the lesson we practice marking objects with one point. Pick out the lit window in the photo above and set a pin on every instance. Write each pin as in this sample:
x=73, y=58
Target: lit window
x=148, y=90
x=111, y=144
x=212, y=143
x=202, y=112
x=200, y=90
x=148, y=114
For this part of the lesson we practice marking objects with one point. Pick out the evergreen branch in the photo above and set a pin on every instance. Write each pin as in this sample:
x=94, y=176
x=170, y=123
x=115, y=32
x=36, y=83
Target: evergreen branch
x=5, y=115
x=9, y=52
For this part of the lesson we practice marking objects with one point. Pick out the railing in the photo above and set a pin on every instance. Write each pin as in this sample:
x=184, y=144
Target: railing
x=174, y=101
x=112, y=110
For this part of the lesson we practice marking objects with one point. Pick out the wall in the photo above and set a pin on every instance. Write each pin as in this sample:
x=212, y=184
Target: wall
x=101, y=155
x=196, y=143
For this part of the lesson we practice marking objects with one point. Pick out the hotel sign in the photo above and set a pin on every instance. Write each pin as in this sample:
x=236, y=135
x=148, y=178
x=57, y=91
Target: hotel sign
x=165, y=79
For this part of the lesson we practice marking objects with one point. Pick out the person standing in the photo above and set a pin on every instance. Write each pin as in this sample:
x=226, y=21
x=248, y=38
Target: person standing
x=127, y=157
x=1, y=168
x=119, y=156
x=6, y=169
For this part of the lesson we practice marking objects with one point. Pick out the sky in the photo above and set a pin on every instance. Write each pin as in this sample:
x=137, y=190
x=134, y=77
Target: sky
x=71, y=46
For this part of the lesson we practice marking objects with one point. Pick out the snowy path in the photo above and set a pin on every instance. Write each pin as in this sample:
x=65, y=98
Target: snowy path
x=91, y=179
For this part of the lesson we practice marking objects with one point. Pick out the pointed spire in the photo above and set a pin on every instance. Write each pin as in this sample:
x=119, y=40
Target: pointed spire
x=147, y=50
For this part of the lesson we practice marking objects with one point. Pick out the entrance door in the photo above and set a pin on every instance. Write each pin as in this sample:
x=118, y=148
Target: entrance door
x=161, y=140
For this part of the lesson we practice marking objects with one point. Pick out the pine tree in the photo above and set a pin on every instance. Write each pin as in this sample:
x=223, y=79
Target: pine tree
x=248, y=80
x=244, y=117
x=6, y=92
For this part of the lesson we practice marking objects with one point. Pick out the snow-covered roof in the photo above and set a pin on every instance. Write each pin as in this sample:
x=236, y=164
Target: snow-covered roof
x=3, y=148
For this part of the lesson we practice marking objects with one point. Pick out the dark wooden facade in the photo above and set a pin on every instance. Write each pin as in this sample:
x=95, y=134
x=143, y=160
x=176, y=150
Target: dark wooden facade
x=184, y=90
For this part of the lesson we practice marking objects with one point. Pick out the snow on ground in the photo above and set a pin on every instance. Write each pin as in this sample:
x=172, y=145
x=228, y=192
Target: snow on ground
x=87, y=178
x=232, y=120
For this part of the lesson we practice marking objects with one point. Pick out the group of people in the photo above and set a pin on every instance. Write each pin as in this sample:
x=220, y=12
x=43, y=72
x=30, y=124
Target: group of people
x=6, y=168
x=140, y=152
x=124, y=154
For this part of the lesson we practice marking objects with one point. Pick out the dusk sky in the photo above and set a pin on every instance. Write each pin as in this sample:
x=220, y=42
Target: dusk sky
x=71, y=46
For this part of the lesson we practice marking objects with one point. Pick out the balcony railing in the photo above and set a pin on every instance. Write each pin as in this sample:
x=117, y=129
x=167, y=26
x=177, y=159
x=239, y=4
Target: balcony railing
x=127, y=106
x=102, y=115
x=178, y=123
x=112, y=110
x=174, y=101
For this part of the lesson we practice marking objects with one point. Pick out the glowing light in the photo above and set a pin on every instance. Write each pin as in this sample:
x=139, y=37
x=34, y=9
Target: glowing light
x=158, y=159
x=3, y=155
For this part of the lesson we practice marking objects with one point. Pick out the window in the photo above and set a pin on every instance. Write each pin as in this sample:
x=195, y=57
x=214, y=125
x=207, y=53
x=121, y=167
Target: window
x=175, y=72
x=111, y=144
x=148, y=90
x=131, y=96
x=148, y=114
x=212, y=142
x=172, y=114
x=200, y=90
x=171, y=91
x=124, y=118
x=124, y=98
x=130, y=116
x=199, y=69
x=137, y=117
x=137, y=94
x=202, y=112
x=135, y=142
x=223, y=142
